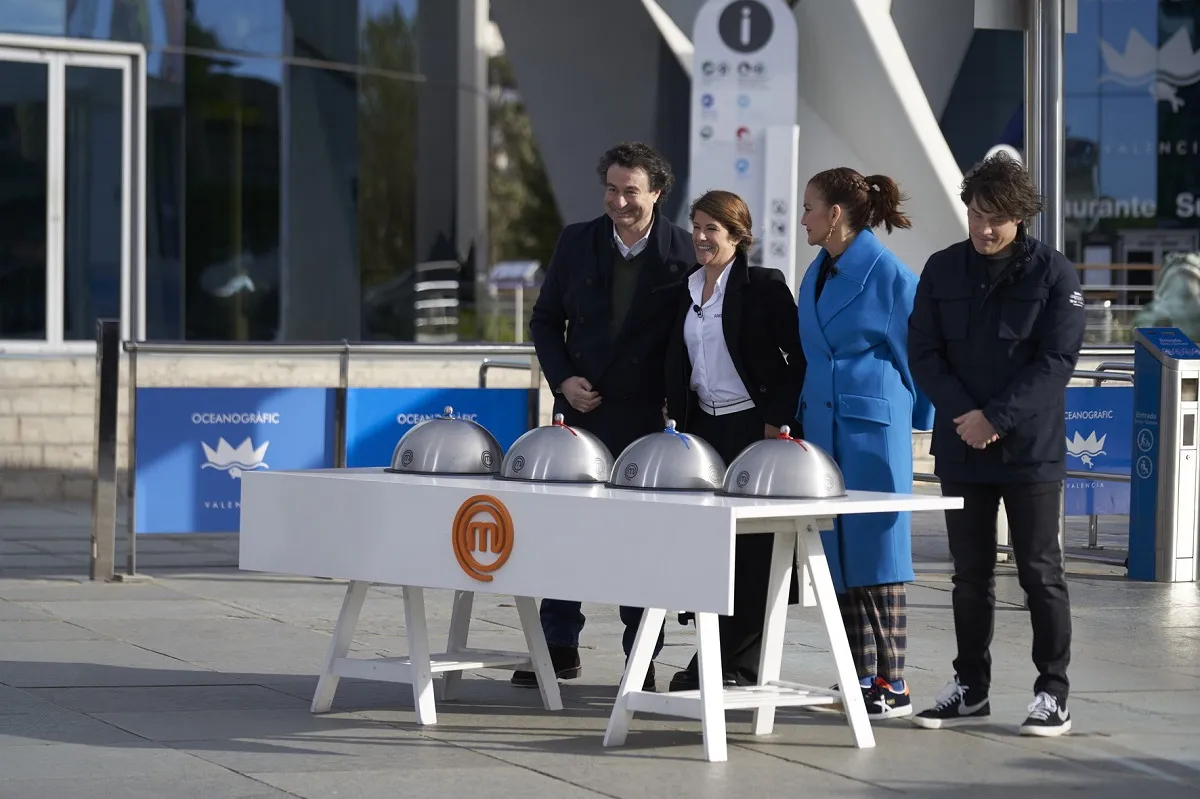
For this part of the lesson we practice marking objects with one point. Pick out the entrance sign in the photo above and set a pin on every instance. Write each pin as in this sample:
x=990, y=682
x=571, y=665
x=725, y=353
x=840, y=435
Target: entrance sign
x=744, y=81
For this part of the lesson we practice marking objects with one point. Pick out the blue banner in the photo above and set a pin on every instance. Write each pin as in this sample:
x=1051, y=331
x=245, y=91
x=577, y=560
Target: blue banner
x=193, y=444
x=1100, y=439
x=376, y=418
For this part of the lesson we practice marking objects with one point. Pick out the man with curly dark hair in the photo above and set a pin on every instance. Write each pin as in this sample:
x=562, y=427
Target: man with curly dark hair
x=993, y=340
x=600, y=327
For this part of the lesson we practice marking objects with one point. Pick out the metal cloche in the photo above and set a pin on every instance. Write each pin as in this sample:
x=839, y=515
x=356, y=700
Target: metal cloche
x=556, y=453
x=444, y=445
x=784, y=468
x=668, y=461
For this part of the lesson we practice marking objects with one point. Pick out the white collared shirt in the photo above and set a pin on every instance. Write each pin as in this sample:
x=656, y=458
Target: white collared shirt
x=637, y=247
x=714, y=377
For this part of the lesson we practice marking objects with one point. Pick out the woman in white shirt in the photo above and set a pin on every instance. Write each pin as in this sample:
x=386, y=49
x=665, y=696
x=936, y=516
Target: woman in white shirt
x=734, y=369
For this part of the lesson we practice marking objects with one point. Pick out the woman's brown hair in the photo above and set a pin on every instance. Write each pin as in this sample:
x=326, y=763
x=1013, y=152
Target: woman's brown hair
x=731, y=211
x=868, y=201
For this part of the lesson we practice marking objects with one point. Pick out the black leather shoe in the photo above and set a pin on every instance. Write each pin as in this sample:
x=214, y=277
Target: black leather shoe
x=689, y=679
x=565, y=660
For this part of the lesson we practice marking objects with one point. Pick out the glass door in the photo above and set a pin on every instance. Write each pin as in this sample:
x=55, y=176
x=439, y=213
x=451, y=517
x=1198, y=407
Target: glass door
x=95, y=198
x=25, y=179
x=67, y=128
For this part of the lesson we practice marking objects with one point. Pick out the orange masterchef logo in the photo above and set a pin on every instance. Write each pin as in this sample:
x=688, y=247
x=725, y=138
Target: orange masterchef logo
x=482, y=526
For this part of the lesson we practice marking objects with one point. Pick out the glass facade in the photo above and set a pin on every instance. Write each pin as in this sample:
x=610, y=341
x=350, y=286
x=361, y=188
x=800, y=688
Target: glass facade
x=1132, y=115
x=282, y=152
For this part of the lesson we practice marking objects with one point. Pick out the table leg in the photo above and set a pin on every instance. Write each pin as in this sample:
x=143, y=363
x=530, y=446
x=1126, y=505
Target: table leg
x=635, y=675
x=770, y=659
x=456, y=641
x=839, y=644
x=339, y=646
x=418, y=655
x=712, y=688
x=539, y=653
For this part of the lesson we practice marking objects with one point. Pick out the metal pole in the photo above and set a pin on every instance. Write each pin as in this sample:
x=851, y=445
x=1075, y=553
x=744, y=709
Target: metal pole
x=1052, y=137
x=1034, y=104
x=341, y=396
x=131, y=457
x=104, y=476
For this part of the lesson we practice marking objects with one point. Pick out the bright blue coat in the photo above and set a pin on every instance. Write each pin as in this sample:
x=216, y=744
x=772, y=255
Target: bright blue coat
x=860, y=403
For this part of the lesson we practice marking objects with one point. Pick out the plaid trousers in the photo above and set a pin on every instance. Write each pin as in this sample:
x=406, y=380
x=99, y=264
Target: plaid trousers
x=876, y=620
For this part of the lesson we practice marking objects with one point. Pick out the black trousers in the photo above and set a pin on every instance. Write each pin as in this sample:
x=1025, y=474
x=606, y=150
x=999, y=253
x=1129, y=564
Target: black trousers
x=1033, y=512
x=741, y=633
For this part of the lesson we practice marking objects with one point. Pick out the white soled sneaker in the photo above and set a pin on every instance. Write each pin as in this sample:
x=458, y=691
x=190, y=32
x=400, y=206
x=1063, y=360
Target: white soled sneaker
x=955, y=706
x=1047, y=717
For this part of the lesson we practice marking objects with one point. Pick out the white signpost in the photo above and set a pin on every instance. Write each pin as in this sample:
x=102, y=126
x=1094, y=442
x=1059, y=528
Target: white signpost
x=744, y=135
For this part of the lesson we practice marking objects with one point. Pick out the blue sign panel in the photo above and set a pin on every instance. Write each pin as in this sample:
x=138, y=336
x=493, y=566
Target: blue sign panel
x=376, y=418
x=1100, y=439
x=1172, y=342
x=193, y=444
x=1143, y=496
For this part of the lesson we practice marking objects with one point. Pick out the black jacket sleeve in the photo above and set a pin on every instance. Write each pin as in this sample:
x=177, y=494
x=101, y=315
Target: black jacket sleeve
x=548, y=320
x=1059, y=331
x=927, y=353
x=785, y=329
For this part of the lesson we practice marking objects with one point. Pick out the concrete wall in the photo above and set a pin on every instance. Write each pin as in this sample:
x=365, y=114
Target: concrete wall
x=874, y=77
x=862, y=105
x=591, y=75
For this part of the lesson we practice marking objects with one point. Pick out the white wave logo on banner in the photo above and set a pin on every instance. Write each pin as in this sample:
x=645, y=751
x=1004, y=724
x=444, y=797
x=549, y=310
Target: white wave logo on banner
x=246, y=458
x=1086, y=448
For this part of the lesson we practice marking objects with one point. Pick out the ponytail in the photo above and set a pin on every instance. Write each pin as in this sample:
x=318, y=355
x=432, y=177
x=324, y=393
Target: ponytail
x=884, y=201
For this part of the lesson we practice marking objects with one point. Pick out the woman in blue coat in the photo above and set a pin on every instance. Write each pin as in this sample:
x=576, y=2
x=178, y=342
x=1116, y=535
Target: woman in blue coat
x=860, y=404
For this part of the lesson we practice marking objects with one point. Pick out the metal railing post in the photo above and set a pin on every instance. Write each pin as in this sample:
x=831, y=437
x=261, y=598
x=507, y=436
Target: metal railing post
x=131, y=574
x=340, y=398
x=104, y=474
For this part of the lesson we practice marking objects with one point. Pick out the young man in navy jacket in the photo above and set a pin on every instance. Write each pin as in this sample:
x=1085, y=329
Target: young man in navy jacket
x=993, y=340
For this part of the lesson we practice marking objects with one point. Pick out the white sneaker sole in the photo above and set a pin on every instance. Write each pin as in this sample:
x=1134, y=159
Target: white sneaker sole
x=891, y=713
x=1047, y=732
x=945, y=724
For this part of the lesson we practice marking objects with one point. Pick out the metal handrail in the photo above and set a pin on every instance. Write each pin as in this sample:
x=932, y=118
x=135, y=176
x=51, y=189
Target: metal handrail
x=357, y=348
x=1100, y=377
x=489, y=363
x=405, y=348
x=1115, y=366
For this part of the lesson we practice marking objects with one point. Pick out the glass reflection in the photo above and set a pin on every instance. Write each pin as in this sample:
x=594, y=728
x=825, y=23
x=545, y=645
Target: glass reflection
x=387, y=108
x=232, y=197
x=247, y=26
x=37, y=17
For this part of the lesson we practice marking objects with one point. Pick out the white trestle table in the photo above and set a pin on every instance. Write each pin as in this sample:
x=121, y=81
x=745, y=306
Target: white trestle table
x=657, y=550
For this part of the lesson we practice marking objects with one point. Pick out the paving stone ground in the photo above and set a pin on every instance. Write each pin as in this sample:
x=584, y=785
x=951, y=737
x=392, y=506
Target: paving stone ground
x=197, y=683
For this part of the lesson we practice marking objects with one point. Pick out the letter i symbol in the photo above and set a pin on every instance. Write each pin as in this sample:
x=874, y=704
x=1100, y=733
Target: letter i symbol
x=745, y=26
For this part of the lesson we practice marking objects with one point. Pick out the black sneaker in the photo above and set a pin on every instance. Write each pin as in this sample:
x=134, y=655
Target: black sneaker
x=1047, y=717
x=566, y=667
x=956, y=705
x=885, y=702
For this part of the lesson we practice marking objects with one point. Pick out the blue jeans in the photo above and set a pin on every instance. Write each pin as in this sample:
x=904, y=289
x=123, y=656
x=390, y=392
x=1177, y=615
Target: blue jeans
x=562, y=621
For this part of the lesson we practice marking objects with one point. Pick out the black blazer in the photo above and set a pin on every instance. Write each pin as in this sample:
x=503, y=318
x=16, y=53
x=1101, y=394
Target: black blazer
x=570, y=326
x=761, y=326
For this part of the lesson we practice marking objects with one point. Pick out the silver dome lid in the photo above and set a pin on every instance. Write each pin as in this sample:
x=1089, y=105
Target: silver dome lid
x=556, y=453
x=444, y=445
x=668, y=461
x=784, y=468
